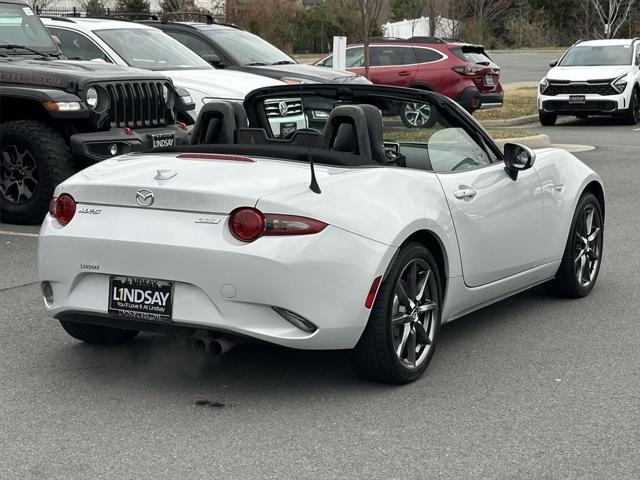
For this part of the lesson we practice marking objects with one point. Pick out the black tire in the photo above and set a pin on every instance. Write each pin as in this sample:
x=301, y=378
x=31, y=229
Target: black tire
x=46, y=163
x=632, y=114
x=566, y=283
x=419, y=121
x=97, y=334
x=547, y=119
x=375, y=354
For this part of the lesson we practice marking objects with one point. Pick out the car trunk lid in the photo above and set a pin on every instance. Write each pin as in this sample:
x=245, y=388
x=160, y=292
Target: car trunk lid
x=195, y=182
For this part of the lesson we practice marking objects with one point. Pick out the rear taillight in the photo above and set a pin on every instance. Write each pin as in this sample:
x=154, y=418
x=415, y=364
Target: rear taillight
x=248, y=224
x=467, y=70
x=63, y=208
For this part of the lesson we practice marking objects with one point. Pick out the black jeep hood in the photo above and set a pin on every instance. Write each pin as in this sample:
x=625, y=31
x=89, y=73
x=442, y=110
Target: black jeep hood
x=304, y=72
x=66, y=74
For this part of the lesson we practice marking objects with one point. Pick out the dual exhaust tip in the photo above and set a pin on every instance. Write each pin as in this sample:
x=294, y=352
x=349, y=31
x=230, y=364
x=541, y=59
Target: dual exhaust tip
x=205, y=343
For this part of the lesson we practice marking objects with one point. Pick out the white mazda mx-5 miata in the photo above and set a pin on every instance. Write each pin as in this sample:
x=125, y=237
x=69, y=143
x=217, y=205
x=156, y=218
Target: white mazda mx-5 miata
x=352, y=233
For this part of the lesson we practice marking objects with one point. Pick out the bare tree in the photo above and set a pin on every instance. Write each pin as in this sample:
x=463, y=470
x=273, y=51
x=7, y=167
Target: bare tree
x=40, y=5
x=612, y=14
x=369, y=17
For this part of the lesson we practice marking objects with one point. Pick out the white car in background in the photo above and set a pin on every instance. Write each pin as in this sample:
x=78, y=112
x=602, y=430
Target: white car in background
x=349, y=235
x=594, y=77
x=141, y=46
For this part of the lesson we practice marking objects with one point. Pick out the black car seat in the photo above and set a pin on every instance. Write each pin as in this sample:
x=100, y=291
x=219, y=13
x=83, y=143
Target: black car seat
x=355, y=129
x=218, y=123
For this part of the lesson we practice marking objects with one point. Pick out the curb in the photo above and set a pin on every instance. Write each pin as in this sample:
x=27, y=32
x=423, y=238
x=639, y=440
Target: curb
x=534, y=141
x=510, y=122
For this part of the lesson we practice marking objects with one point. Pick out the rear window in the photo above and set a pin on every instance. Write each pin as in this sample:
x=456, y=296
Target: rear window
x=472, y=54
x=426, y=55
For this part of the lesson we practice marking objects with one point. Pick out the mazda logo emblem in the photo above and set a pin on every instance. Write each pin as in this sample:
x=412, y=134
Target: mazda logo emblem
x=283, y=108
x=144, y=197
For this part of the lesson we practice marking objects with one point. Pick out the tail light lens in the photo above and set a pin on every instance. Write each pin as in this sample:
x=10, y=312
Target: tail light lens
x=248, y=224
x=63, y=208
x=467, y=70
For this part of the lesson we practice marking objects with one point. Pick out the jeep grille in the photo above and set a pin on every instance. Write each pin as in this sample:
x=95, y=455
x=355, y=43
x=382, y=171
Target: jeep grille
x=138, y=104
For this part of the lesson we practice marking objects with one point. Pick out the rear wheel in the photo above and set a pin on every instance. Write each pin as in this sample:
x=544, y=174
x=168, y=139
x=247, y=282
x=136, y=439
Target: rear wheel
x=400, y=337
x=580, y=265
x=97, y=333
x=418, y=115
x=547, y=119
x=34, y=159
x=632, y=115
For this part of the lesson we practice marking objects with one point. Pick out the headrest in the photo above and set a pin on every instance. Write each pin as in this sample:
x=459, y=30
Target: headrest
x=218, y=123
x=355, y=129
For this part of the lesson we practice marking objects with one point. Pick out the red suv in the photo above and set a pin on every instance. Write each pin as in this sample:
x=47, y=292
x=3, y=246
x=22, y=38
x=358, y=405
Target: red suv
x=460, y=71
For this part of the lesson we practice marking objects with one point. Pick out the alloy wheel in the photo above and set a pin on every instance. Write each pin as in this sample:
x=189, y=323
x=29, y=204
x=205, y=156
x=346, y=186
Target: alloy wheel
x=588, y=245
x=18, y=174
x=414, y=313
x=417, y=114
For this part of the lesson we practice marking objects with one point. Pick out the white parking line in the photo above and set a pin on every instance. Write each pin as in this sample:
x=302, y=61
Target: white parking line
x=18, y=234
x=636, y=129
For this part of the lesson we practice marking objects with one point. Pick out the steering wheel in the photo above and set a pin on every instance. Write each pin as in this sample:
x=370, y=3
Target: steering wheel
x=465, y=161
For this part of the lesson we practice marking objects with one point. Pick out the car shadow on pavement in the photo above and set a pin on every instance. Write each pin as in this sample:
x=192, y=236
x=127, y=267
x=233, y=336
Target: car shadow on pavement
x=160, y=363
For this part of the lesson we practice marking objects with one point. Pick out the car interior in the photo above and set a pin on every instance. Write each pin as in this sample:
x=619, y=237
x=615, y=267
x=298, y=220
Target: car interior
x=341, y=134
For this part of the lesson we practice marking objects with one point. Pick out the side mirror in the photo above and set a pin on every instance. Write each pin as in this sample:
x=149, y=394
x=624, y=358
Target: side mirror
x=517, y=158
x=214, y=60
x=553, y=64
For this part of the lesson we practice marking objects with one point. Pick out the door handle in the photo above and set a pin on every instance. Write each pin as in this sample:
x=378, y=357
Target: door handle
x=465, y=193
x=404, y=74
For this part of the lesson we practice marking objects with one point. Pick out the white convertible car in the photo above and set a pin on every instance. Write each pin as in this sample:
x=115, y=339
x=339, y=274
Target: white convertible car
x=353, y=233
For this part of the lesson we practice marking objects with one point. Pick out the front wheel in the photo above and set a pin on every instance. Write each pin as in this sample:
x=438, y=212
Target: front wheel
x=401, y=334
x=582, y=257
x=34, y=159
x=547, y=119
x=632, y=115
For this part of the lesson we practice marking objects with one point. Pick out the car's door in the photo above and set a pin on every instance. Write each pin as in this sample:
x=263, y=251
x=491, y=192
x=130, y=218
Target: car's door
x=498, y=221
x=392, y=65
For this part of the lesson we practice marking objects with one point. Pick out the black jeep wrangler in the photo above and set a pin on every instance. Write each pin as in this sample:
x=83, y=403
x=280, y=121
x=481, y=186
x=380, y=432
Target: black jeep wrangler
x=57, y=116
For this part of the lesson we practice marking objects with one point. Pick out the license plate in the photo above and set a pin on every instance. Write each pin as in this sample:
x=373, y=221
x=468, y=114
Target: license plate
x=488, y=80
x=576, y=99
x=288, y=128
x=141, y=298
x=163, y=140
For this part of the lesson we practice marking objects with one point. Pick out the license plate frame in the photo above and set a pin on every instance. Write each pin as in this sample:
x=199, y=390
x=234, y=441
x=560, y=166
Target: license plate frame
x=162, y=140
x=287, y=128
x=140, y=298
x=577, y=99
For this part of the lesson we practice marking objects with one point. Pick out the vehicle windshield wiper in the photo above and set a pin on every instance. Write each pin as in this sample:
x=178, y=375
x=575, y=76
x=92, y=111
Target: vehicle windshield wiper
x=14, y=46
x=255, y=64
x=283, y=62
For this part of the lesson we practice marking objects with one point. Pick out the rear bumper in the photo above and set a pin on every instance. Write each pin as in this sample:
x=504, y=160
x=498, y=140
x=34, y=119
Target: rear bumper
x=94, y=146
x=472, y=99
x=220, y=284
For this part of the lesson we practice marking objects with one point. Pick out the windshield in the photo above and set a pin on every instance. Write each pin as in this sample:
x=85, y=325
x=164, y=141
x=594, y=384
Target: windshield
x=597, y=55
x=246, y=48
x=20, y=26
x=151, y=49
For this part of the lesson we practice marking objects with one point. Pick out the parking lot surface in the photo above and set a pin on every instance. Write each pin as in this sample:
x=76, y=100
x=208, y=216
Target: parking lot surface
x=530, y=388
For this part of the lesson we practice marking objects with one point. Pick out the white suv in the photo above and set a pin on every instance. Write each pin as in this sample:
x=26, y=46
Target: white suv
x=595, y=77
x=142, y=46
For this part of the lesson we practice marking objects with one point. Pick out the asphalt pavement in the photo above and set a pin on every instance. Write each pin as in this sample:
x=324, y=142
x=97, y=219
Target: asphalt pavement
x=523, y=66
x=534, y=387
